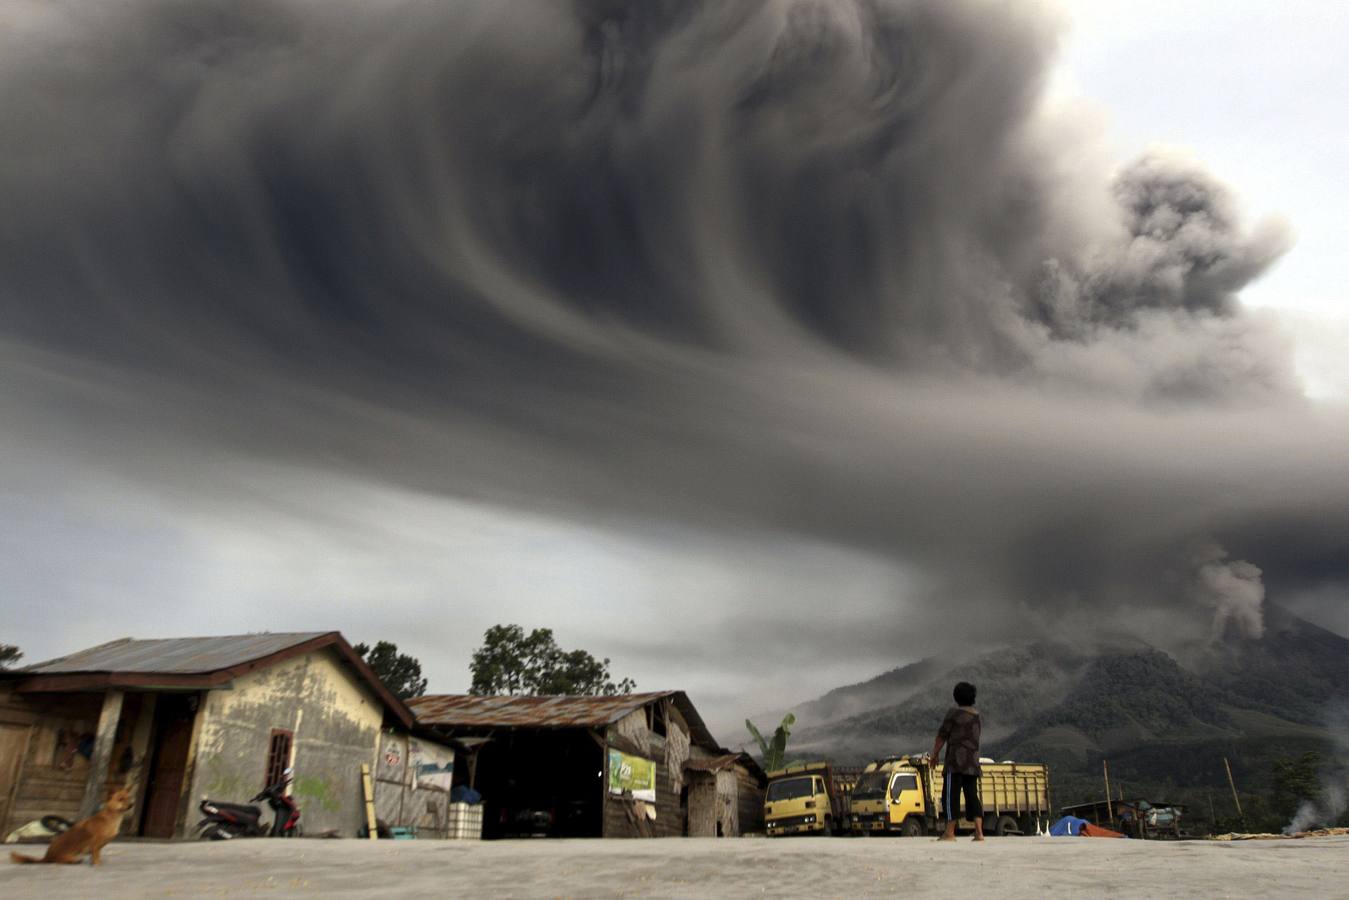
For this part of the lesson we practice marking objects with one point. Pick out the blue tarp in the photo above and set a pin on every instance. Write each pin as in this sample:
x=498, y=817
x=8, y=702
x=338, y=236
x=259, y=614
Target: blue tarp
x=462, y=793
x=1068, y=826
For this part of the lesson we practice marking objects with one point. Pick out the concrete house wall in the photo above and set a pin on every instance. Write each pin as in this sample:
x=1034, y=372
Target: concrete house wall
x=335, y=721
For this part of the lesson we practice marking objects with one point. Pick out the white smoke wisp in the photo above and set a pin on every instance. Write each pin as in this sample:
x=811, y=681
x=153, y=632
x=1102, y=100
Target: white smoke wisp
x=1234, y=589
x=1322, y=811
x=1333, y=801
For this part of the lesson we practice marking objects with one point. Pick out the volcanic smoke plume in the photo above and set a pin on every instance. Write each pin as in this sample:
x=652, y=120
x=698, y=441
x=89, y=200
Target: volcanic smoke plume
x=1235, y=591
x=817, y=271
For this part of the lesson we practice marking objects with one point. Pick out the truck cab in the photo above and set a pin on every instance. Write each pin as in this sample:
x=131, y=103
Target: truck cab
x=889, y=797
x=801, y=799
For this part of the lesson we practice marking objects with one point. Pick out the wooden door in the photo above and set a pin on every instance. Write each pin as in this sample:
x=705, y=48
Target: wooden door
x=174, y=716
x=13, y=749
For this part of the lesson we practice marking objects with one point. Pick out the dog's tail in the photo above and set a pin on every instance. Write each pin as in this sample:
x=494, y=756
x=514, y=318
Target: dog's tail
x=20, y=858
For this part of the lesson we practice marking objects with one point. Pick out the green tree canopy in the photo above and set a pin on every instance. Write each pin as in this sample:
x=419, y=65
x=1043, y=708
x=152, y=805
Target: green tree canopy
x=401, y=673
x=9, y=654
x=512, y=662
x=1297, y=779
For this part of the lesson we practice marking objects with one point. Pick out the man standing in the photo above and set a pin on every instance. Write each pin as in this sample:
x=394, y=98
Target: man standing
x=960, y=733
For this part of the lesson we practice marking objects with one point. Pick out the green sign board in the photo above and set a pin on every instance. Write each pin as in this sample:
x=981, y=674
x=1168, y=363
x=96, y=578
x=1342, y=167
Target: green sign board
x=632, y=773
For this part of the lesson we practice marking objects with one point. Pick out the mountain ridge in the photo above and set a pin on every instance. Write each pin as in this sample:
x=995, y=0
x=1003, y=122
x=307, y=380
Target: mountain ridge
x=1165, y=721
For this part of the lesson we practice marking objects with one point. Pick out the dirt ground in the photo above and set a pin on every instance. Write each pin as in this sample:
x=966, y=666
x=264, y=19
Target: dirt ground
x=822, y=867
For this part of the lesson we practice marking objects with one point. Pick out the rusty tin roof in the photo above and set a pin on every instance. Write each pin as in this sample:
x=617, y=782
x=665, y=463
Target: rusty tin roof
x=727, y=761
x=468, y=711
x=187, y=663
x=192, y=655
x=712, y=763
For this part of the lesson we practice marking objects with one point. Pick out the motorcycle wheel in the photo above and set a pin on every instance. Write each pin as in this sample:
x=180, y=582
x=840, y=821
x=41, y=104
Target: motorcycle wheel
x=216, y=833
x=55, y=824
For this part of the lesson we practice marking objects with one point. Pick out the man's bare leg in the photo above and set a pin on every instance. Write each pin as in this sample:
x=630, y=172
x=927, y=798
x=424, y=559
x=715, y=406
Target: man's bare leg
x=950, y=834
x=979, y=828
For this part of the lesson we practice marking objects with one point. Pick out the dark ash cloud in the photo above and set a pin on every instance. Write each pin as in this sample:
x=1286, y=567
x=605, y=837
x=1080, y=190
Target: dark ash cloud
x=816, y=270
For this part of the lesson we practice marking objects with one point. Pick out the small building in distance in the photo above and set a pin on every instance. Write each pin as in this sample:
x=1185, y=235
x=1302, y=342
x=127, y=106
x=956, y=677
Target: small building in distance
x=631, y=765
x=179, y=719
x=726, y=795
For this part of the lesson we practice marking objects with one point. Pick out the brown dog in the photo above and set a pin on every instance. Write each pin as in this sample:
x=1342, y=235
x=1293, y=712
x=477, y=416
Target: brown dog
x=87, y=836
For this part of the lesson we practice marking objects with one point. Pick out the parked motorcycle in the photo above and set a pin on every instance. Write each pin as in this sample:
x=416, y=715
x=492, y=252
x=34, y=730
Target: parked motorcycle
x=224, y=821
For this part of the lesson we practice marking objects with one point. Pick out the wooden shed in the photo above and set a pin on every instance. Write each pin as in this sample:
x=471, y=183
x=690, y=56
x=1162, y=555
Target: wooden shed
x=576, y=766
x=725, y=795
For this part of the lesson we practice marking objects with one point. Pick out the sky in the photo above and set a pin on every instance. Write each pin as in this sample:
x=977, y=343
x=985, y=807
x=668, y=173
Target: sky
x=1250, y=88
x=758, y=347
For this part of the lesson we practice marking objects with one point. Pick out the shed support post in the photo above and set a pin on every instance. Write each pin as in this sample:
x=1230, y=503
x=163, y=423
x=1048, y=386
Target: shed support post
x=136, y=779
x=102, y=756
x=600, y=740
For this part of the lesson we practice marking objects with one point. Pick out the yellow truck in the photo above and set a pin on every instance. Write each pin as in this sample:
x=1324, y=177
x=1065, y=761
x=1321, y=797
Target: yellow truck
x=903, y=795
x=806, y=798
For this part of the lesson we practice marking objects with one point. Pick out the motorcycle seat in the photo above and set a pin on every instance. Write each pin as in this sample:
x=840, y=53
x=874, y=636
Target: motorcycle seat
x=239, y=809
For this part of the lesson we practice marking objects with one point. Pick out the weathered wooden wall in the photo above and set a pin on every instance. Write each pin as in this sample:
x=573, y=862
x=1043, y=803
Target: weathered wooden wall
x=669, y=816
x=669, y=751
x=50, y=781
x=702, y=804
x=749, y=800
x=728, y=811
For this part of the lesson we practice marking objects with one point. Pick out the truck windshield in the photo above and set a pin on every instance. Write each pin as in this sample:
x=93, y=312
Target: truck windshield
x=789, y=789
x=871, y=786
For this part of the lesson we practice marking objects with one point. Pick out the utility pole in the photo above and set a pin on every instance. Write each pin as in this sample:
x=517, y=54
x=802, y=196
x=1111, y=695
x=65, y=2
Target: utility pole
x=1109, y=811
x=1235, y=799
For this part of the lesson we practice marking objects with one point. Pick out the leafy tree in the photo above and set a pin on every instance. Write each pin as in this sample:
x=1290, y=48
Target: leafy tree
x=513, y=662
x=774, y=751
x=9, y=654
x=401, y=673
x=1297, y=780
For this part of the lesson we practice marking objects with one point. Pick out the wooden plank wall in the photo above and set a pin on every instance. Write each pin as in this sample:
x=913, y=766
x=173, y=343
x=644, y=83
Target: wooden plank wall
x=749, y=799
x=702, y=804
x=669, y=817
x=51, y=780
x=616, y=823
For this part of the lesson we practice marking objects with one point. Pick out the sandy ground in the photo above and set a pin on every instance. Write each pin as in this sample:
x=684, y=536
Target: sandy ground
x=821, y=867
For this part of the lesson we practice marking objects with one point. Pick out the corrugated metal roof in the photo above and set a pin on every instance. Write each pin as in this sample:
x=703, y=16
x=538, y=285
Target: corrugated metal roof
x=725, y=761
x=172, y=655
x=470, y=711
x=466, y=711
x=712, y=763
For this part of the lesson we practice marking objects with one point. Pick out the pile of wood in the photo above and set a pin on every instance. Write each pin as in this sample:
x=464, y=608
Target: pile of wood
x=1315, y=832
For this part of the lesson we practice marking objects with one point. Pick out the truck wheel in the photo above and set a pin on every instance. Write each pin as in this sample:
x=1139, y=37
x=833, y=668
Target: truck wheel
x=1006, y=826
x=911, y=828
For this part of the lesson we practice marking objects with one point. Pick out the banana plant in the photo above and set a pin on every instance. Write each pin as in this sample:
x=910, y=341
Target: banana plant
x=774, y=751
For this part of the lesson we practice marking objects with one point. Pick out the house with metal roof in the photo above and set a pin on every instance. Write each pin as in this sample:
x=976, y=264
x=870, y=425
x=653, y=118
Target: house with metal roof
x=180, y=719
x=631, y=765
